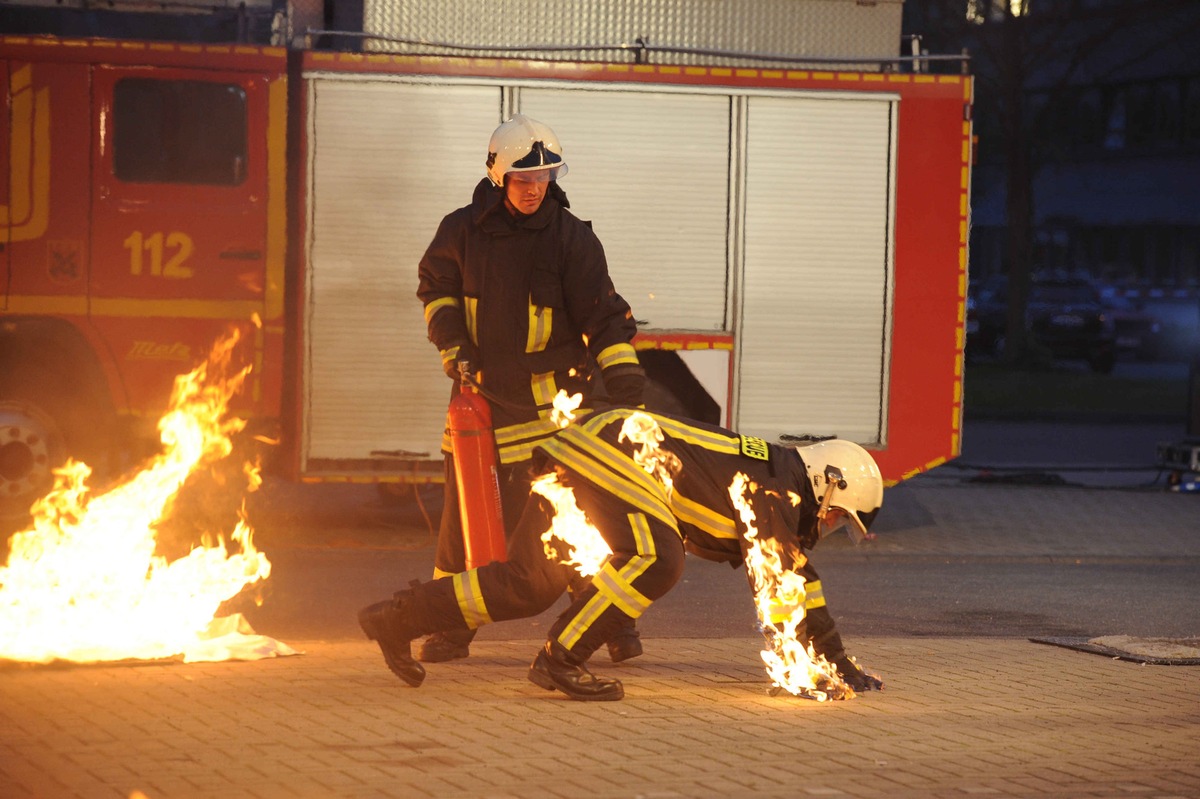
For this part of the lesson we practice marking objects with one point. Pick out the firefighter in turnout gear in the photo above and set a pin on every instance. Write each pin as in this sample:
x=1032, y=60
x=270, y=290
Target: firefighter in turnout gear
x=517, y=287
x=803, y=493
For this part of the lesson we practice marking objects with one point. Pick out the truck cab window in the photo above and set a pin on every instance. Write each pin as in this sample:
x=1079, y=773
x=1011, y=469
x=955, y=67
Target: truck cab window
x=179, y=131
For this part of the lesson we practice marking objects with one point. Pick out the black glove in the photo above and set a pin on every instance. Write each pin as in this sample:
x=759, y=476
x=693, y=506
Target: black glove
x=625, y=388
x=466, y=352
x=855, y=677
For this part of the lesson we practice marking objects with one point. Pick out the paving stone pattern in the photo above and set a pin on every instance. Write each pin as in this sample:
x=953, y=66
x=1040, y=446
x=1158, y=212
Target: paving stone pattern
x=958, y=718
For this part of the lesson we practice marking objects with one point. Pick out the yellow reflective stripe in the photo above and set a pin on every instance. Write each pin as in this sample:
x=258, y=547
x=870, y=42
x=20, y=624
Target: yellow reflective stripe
x=470, y=600
x=523, y=430
x=617, y=461
x=541, y=320
x=607, y=481
x=617, y=353
x=586, y=618
x=517, y=442
x=706, y=439
x=449, y=354
x=619, y=592
x=601, y=420
x=544, y=388
x=277, y=194
x=471, y=306
x=515, y=453
x=779, y=613
x=438, y=304
x=643, y=543
x=615, y=588
x=703, y=517
x=815, y=595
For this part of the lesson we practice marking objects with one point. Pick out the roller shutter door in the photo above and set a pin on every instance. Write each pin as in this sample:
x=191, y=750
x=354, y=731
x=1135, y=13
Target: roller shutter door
x=651, y=171
x=816, y=300
x=372, y=380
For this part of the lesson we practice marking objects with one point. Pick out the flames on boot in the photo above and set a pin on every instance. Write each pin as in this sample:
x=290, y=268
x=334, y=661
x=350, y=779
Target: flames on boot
x=84, y=582
x=779, y=596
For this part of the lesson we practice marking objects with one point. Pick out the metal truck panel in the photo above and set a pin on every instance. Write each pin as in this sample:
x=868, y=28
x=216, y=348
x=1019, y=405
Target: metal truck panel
x=387, y=161
x=651, y=170
x=816, y=28
x=838, y=237
x=814, y=321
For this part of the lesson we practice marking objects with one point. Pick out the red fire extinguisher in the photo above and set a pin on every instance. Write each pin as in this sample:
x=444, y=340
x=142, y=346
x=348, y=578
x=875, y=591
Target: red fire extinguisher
x=469, y=421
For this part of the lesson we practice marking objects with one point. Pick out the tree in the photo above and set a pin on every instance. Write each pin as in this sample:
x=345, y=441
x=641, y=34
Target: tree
x=1051, y=47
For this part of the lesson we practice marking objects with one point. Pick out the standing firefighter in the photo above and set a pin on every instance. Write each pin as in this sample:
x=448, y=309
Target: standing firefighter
x=516, y=287
x=798, y=495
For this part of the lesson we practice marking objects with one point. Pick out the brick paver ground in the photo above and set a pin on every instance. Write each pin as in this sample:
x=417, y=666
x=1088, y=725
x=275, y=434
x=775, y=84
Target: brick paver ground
x=959, y=718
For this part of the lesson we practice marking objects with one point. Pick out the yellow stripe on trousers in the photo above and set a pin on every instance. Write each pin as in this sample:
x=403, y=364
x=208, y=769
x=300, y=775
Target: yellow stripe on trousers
x=470, y=599
x=615, y=586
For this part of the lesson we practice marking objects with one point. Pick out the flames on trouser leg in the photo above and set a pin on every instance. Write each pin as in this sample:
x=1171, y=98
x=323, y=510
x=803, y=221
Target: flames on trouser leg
x=572, y=539
x=779, y=597
x=83, y=582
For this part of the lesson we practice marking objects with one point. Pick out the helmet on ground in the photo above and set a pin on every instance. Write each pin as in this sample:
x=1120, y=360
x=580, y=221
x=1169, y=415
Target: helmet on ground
x=523, y=144
x=845, y=477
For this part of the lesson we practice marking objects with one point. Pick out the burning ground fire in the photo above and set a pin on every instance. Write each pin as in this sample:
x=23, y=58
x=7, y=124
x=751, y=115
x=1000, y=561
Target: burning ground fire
x=83, y=583
x=779, y=596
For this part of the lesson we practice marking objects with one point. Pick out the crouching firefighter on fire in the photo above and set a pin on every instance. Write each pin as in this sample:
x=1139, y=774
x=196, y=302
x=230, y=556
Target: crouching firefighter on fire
x=802, y=494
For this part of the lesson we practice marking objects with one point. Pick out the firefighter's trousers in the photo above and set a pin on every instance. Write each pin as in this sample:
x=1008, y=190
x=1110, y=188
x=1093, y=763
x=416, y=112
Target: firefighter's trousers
x=450, y=557
x=647, y=560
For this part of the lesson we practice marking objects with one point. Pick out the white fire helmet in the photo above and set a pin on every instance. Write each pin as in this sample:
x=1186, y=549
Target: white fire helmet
x=523, y=144
x=844, y=476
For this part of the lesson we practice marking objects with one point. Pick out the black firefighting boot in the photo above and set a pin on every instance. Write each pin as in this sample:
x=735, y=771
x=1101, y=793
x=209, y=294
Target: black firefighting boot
x=446, y=645
x=626, y=643
x=386, y=624
x=554, y=670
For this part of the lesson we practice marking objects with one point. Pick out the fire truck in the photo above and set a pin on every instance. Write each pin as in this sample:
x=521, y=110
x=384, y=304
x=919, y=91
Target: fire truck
x=783, y=201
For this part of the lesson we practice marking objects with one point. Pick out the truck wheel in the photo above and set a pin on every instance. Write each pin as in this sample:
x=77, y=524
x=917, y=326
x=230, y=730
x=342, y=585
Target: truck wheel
x=30, y=447
x=42, y=421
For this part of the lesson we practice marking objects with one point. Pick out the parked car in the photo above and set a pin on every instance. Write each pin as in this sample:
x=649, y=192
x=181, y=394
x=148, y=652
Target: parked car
x=1139, y=333
x=1064, y=315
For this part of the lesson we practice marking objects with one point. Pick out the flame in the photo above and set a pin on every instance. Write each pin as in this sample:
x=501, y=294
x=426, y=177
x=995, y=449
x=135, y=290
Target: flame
x=83, y=582
x=565, y=405
x=641, y=429
x=579, y=543
x=572, y=538
x=779, y=596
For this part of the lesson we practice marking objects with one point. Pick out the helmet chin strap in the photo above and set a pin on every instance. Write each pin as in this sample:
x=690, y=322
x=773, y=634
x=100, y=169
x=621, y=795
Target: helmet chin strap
x=833, y=481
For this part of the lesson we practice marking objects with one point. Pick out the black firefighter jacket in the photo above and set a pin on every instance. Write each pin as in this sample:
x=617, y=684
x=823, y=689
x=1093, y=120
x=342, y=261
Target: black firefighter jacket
x=532, y=298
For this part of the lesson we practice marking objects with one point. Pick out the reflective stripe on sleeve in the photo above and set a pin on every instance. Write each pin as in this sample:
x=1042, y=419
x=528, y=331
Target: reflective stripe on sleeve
x=436, y=305
x=449, y=355
x=617, y=354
